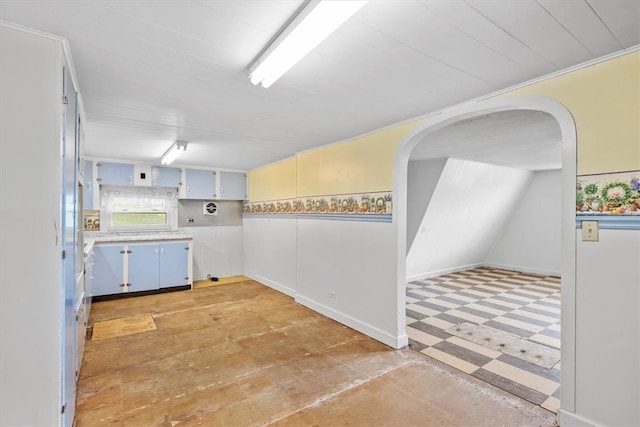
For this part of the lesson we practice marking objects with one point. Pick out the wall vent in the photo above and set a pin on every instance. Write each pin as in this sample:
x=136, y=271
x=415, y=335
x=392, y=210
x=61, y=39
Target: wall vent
x=210, y=208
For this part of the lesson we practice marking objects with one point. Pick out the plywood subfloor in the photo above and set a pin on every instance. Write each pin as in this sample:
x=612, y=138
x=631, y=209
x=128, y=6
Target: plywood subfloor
x=245, y=355
x=122, y=326
x=221, y=281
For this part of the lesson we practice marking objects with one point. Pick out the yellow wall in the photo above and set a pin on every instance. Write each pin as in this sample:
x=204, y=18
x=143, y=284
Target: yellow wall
x=360, y=165
x=273, y=182
x=604, y=100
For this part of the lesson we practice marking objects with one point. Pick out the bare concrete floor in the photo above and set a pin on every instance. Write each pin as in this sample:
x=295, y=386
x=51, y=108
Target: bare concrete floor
x=245, y=355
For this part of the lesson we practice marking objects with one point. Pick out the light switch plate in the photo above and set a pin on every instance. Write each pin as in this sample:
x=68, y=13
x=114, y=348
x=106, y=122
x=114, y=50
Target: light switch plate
x=590, y=231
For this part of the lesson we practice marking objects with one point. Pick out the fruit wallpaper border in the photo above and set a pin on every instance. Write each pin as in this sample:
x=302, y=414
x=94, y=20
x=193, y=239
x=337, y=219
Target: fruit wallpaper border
x=608, y=194
x=360, y=204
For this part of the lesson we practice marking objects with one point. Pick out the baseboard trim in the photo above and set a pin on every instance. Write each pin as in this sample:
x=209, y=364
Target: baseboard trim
x=367, y=329
x=523, y=269
x=275, y=285
x=569, y=419
x=436, y=273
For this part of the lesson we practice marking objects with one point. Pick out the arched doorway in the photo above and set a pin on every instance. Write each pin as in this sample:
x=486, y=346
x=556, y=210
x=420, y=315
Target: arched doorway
x=568, y=229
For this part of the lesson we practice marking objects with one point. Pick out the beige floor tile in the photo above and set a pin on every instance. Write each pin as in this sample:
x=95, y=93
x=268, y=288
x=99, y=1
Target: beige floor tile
x=450, y=360
x=520, y=376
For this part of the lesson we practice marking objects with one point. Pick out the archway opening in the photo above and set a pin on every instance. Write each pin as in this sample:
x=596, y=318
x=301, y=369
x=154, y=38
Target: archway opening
x=432, y=233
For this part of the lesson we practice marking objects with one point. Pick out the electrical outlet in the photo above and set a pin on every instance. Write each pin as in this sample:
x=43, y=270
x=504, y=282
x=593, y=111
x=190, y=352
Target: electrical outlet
x=332, y=294
x=589, y=231
x=191, y=220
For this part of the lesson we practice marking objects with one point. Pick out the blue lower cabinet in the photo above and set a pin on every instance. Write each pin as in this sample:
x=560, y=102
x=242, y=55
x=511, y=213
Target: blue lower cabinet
x=108, y=270
x=143, y=268
x=149, y=266
x=174, y=264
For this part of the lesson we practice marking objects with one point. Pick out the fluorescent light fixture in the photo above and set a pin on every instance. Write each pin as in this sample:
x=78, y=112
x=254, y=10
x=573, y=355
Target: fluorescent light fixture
x=314, y=23
x=173, y=152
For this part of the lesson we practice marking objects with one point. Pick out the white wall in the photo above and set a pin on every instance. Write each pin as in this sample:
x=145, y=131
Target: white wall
x=270, y=252
x=471, y=203
x=422, y=178
x=607, y=365
x=530, y=240
x=216, y=250
x=30, y=261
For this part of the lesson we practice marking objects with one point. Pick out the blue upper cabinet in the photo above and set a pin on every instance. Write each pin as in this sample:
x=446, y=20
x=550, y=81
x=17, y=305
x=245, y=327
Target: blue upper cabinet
x=233, y=186
x=166, y=177
x=115, y=174
x=200, y=184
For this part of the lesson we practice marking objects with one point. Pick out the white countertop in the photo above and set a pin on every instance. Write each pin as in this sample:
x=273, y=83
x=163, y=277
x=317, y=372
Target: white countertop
x=99, y=237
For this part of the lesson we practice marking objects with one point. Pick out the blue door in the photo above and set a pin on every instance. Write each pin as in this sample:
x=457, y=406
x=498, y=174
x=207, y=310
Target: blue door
x=143, y=267
x=87, y=197
x=108, y=270
x=173, y=264
x=68, y=224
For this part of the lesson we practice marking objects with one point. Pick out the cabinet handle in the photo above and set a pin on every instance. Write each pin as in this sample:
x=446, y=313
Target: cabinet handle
x=186, y=277
x=156, y=251
x=129, y=251
x=122, y=251
x=161, y=251
x=130, y=179
x=121, y=285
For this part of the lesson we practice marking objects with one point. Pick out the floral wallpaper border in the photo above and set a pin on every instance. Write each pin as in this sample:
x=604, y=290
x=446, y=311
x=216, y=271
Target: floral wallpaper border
x=365, y=204
x=608, y=194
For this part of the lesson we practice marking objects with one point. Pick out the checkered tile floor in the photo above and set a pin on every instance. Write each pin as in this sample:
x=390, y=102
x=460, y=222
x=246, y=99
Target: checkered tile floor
x=525, y=305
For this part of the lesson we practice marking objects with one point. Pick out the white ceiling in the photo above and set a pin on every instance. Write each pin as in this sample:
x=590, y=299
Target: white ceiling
x=519, y=139
x=152, y=72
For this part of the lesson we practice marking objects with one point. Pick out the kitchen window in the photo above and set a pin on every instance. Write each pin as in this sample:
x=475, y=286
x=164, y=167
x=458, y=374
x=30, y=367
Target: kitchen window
x=143, y=209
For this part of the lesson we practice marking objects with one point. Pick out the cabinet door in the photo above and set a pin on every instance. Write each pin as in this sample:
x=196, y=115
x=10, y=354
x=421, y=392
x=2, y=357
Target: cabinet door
x=115, y=174
x=107, y=270
x=174, y=264
x=143, y=272
x=233, y=186
x=201, y=184
x=165, y=177
x=87, y=190
x=88, y=281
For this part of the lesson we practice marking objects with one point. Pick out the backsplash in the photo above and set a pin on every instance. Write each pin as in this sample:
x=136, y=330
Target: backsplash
x=191, y=214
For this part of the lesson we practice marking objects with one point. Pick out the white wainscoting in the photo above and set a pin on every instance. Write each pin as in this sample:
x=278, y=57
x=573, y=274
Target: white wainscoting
x=270, y=252
x=216, y=251
x=346, y=271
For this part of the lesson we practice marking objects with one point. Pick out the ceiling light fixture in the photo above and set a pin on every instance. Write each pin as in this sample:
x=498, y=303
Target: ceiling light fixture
x=176, y=149
x=314, y=23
